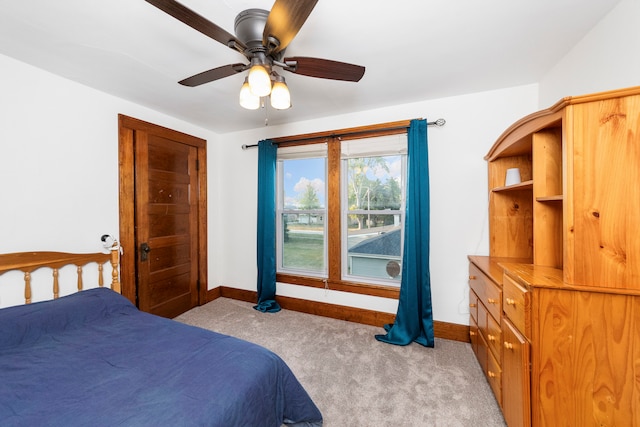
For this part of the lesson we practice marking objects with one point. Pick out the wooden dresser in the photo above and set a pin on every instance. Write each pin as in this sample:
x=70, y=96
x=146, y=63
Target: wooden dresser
x=555, y=307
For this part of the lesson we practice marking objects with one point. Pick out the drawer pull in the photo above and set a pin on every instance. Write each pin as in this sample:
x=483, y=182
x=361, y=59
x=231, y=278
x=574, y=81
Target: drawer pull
x=508, y=345
x=491, y=374
x=471, y=277
x=492, y=300
x=510, y=301
x=491, y=337
x=472, y=305
x=473, y=334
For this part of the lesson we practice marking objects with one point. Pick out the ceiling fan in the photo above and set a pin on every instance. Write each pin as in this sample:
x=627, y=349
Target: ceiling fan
x=262, y=37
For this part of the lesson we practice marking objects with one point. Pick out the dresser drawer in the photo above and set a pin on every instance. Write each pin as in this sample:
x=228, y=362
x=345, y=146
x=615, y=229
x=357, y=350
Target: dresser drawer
x=494, y=337
x=473, y=335
x=489, y=293
x=517, y=305
x=494, y=376
x=482, y=321
x=473, y=306
x=482, y=353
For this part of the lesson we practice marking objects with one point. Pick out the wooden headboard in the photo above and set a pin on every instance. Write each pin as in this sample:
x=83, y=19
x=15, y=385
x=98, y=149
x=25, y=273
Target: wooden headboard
x=28, y=262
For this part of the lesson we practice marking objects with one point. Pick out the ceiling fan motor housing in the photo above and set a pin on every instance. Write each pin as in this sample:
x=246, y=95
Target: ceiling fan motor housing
x=249, y=26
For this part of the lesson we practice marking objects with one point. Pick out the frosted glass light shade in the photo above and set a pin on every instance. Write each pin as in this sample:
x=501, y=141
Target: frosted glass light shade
x=259, y=81
x=280, y=96
x=247, y=99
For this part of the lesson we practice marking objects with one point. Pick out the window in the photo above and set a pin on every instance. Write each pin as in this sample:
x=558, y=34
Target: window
x=341, y=212
x=373, y=175
x=301, y=227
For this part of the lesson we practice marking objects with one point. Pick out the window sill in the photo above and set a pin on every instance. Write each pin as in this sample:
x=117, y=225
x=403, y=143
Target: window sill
x=343, y=286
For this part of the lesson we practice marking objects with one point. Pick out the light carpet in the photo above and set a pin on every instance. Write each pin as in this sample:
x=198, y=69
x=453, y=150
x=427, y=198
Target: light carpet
x=358, y=381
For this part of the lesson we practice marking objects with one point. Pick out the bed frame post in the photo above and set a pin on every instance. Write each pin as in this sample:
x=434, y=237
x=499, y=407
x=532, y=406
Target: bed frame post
x=80, y=283
x=115, y=255
x=56, y=284
x=27, y=287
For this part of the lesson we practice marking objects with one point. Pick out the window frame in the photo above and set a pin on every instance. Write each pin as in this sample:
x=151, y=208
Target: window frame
x=334, y=280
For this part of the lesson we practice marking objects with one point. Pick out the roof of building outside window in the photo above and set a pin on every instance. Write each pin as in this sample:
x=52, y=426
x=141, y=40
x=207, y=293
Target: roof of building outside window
x=387, y=243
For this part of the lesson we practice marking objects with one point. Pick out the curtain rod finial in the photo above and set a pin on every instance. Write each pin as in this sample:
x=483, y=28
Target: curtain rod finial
x=439, y=123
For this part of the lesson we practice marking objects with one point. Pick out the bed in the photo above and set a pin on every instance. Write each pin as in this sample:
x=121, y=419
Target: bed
x=92, y=358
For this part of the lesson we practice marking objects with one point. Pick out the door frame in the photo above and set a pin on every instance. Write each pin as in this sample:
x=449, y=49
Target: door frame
x=126, y=170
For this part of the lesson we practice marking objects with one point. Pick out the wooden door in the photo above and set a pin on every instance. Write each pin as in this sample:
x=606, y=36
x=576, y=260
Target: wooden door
x=163, y=220
x=166, y=225
x=602, y=218
x=516, y=391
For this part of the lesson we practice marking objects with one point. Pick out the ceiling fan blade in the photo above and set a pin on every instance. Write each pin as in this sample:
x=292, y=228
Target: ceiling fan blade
x=324, y=68
x=198, y=22
x=285, y=20
x=213, y=74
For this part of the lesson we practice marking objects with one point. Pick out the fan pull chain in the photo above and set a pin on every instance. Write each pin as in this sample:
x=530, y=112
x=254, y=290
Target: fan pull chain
x=266, y=111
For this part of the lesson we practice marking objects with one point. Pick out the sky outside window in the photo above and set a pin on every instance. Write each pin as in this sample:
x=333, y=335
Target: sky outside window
x=298, y=175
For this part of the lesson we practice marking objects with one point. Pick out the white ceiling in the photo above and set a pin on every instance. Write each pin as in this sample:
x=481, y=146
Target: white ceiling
x=413, y=50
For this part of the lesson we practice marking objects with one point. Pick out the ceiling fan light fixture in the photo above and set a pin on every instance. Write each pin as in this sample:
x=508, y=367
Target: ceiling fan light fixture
x=280, y=95
x=262, y=36
x=247, y=99
x=259, y=80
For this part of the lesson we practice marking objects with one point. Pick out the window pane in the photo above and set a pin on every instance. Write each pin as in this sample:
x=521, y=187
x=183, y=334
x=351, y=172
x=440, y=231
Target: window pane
x=303, y=242
x=376, y=252
x=302, y=234
x=373, y=221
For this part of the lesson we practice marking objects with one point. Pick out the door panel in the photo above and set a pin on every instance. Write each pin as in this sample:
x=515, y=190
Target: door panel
x=167, y=222
x=162, y=203
x=516, y=396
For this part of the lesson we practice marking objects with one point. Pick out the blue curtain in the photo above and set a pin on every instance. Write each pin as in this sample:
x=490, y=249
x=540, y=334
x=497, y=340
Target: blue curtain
x=267, y=156
x=414, y=319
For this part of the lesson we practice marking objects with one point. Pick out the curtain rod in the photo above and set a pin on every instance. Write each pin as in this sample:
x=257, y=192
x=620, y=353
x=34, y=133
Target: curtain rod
x=439, y=123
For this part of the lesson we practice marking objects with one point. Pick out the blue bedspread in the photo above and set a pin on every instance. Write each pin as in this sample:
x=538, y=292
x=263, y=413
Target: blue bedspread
x=93, y=359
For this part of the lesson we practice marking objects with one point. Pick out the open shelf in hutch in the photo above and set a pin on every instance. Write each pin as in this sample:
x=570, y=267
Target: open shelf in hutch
x=526, y=218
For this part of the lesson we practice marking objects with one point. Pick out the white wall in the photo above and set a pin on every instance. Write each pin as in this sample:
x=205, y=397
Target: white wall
x=458, y=178
x=606, y=58
x=59, y=161
x=59, y=172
